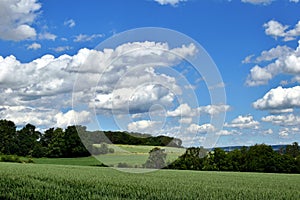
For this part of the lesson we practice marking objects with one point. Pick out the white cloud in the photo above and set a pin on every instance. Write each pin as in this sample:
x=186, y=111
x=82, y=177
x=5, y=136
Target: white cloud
x=284, y=132
x=47, y=82
x=21, y=115
x=213, y=109
x=268, y=132
x=72, y=118
x=279, y=99
x=144, y=126
x=258, y=76
x=34, y=46
x=61, y=48
x=204, y=128
x=171, y=2
x=256, y=2
x=248, y=59
x=16, y=18
x=283, y=120
x=70, y=23
x=284, y=60
x=86, y=38
x=228, y=132
x=276, y=29
x=47, y=36
x=274, y=53
x=182, y=110
x=243, y=122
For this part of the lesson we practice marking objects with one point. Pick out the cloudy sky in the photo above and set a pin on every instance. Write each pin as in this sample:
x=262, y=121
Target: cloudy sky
x=53, y=72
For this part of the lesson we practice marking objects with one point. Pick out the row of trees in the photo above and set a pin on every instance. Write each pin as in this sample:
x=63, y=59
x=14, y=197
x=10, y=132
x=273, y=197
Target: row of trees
x=56, y=142
x=30, y=142
x=257, y=158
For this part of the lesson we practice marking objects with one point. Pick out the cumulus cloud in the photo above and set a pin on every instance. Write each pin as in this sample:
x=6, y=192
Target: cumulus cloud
x=34, y=46
x=184, y=110
x=144, y=126
x=282, y=120
x=279, y=99
x=284, y=132
x=276, y=29
x=213, y=109
x=204, y=128
x=70, y=23
x=228, y=132
x=171, y=2
x=47, y=82
x=16, y=18
x=71, y=118
x=283, y=60
x=86, y=38
x=243, y=122
x=268, y=132
x=45, y=117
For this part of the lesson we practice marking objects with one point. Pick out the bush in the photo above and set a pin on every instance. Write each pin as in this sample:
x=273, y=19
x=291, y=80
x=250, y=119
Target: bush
x=10, y=158
x=123, y=165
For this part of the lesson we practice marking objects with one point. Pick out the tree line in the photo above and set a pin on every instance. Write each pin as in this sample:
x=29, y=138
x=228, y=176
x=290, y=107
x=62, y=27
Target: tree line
x=69, y=142
x=257, y=158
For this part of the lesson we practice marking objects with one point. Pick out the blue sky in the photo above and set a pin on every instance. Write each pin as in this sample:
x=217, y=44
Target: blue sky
x=46, y=45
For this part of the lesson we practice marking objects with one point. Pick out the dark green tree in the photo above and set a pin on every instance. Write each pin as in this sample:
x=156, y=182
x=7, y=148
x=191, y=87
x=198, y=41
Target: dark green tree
x=27, y=140
x=192, y=159
x=293, y=150
x=8, y=137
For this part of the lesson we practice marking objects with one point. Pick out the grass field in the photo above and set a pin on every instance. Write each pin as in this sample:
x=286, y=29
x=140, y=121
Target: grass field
x=32, y=181
x=133, y=155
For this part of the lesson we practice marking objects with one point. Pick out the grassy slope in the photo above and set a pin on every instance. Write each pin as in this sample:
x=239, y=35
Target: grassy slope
x=130, y=154
x=30, y=181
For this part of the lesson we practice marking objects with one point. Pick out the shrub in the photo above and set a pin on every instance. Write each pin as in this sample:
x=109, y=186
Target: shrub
x=10, y=158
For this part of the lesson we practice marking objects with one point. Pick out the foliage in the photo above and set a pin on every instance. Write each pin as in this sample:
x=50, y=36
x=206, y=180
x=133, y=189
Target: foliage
x=257, y=158
x=58, y=143
x=103, y=149
x=77, y=182
x=192, y=159
x=15, y=159
x=157, y=158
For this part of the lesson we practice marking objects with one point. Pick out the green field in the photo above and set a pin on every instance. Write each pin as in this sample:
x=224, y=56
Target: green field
x=32, y=181
x=133, y=155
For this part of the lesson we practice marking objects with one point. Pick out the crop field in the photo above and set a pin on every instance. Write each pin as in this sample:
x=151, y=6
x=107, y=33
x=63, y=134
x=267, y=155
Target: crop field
x=32, y=181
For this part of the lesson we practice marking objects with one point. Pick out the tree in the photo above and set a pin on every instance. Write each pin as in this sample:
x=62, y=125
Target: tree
x=27, y=140
x=156, y=159
x=73, y=147
x=54, y=143
x=261, y=158
x=293, y=150
x=8, y=137
x=215, y=160
x=192, y=159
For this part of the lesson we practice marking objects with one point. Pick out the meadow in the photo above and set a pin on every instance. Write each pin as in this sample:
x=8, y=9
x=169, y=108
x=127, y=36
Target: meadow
x=43, y=181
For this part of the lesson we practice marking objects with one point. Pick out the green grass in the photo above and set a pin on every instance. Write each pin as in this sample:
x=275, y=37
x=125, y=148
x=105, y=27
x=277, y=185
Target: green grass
x=133, y=155
x=31, y=181
x=83, y=161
